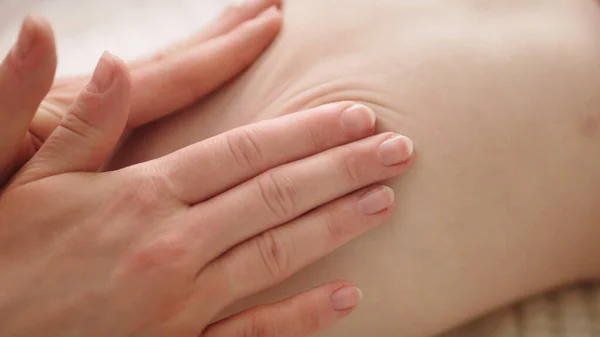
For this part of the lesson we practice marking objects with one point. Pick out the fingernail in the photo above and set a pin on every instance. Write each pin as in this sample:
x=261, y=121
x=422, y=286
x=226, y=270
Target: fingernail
x=270, y=12
x=25, y=41
x=346, y=298
x=357, y=118
x=103, y=75
x=396, y=150
x=376, y=201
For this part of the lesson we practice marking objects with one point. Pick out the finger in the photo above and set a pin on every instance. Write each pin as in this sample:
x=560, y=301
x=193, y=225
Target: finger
x=26, y=75
x=251, y=150
x=91, y=128
x=172, y=72
x=275, y=255
x=233, y=16
x=299, y=316
x=288, y=191
x=178, y=81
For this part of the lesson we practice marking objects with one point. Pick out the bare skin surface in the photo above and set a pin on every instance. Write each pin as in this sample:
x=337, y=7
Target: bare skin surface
x=501, y=100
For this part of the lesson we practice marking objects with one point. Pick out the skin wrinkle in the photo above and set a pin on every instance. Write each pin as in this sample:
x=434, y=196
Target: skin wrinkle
x=345, y=95
x=493, y=93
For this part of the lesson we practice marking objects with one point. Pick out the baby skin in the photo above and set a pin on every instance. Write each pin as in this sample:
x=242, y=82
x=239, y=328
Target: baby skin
x=501, y=100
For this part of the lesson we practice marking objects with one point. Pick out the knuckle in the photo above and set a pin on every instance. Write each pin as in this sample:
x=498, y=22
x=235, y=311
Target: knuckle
x=75, y=123
x=278, y=194
x=335, y=229
x=191, y=86
x=274, y=256
x=145, y=190
x=316, y=139
x=310, y=321
x=167, y=253
x=353, y=169
x=257, y=327
x=166, y=277
x=245, y=149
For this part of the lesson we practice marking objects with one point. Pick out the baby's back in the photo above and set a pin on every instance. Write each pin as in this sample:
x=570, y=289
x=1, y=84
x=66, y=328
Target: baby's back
x=501, y=100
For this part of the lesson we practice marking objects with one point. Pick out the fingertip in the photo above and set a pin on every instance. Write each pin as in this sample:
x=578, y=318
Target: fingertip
x=121, y=69
x=47, y=40
x=26, y=39
x=238, y=11
x=105, y=101
x=249, y=40
x=268, y=20
x=346, y=298
x=103, y=75
x=270, y=17
x=358, y=120
x=376, y=200
x=111, y=71
x=36, y=37
x=122, y=77
x=122, y=74
x=43, y=29
x=256, y=34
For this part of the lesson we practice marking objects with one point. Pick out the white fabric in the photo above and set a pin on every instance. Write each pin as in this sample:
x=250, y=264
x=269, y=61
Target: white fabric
x=126, y=28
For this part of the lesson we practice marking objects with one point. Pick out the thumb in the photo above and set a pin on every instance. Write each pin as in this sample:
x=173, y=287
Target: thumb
x=26, y=75
x=91, y=128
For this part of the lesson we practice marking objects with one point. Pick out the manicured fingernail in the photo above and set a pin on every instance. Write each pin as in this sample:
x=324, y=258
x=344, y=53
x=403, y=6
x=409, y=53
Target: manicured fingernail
x=269, y=13
x=396, y=150
x=346, y=298
x=26, y=38
x=376, y=200
x=103, y=75
x=357, y=118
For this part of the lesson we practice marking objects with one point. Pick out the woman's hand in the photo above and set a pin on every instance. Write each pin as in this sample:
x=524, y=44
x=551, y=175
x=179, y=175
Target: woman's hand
x=32, y=106
x=161, y=248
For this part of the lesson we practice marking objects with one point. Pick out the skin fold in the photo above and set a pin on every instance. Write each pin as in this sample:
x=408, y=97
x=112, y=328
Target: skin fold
x=79, y=264
x=157, y=249
x=501, y=100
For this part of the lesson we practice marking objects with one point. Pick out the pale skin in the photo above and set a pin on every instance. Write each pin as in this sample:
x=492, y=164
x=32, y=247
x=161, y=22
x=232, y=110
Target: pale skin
x=162, y=247
x=501, y=99
x=163, y=83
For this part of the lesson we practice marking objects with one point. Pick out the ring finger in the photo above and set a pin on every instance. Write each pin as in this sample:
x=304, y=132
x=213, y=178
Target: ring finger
x=286, y=192
x=275, y=255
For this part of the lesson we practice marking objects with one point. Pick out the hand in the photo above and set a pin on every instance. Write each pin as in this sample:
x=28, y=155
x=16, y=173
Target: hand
x=32, y=107
x=162, y=247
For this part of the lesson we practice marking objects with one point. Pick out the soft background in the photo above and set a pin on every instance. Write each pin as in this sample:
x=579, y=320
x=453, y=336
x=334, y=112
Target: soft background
x=130, y=28
x=126, y=28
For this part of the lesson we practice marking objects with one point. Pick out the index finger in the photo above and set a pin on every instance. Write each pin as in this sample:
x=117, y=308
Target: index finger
x=205, y=169
x=26, y=75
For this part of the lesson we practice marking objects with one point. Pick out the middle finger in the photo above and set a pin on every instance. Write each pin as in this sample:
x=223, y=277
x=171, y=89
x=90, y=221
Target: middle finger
x=286, y=192
x=205, y=169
